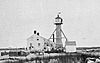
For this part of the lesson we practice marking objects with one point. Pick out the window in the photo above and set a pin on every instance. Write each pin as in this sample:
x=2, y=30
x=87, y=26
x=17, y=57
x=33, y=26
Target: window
x=37, y=39
x=30, y=44
x=47, y=44
x=38, y=44
x=51, y=45
x=44, y=43
x=44, y=47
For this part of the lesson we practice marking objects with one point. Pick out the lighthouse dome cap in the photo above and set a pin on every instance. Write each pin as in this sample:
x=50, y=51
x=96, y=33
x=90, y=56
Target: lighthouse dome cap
x=58, y=17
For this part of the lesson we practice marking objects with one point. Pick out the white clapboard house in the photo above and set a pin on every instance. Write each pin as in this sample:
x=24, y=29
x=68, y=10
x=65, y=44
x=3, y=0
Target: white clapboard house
x=38, y=43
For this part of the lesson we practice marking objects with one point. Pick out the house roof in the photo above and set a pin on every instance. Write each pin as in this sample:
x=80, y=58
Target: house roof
x=34, y=35
x=70, y=43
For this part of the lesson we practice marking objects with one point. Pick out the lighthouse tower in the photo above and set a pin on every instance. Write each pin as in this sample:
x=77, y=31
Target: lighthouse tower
x=58, y=35
x=58, y=23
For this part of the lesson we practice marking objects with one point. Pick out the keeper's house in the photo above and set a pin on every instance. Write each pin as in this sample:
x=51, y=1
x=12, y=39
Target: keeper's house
x=39, y=43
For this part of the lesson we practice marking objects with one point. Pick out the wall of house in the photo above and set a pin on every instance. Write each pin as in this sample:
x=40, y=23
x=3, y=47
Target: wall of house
x=70, y=48
x=35, y=42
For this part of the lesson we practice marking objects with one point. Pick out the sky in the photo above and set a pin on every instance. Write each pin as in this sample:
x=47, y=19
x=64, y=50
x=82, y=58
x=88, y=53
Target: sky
x=19, y=18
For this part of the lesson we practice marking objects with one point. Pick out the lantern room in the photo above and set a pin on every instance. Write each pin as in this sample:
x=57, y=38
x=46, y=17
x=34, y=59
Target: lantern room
x=58, y=20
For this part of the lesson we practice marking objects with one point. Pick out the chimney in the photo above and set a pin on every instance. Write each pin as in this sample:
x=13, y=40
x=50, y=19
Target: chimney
x=34, y=31
x=38, y=34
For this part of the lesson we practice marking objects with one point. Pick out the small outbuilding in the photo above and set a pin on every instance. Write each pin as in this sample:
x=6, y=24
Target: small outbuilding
x=70, y=46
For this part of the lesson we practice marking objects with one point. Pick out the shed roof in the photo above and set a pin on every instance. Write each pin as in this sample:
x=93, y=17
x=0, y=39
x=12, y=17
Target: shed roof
x=70, y=43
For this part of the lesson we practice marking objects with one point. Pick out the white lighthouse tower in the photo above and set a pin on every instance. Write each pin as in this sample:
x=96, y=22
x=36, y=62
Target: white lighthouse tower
x=58, y=34
x=58, y=23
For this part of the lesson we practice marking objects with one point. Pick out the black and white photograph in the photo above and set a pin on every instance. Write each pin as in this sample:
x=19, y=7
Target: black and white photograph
x=49, y=31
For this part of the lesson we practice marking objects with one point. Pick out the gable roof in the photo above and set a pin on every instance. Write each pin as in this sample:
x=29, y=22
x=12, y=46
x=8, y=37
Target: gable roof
x=34, y=36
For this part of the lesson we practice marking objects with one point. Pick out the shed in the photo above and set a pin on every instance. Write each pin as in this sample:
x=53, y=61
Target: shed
x=70, y=46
